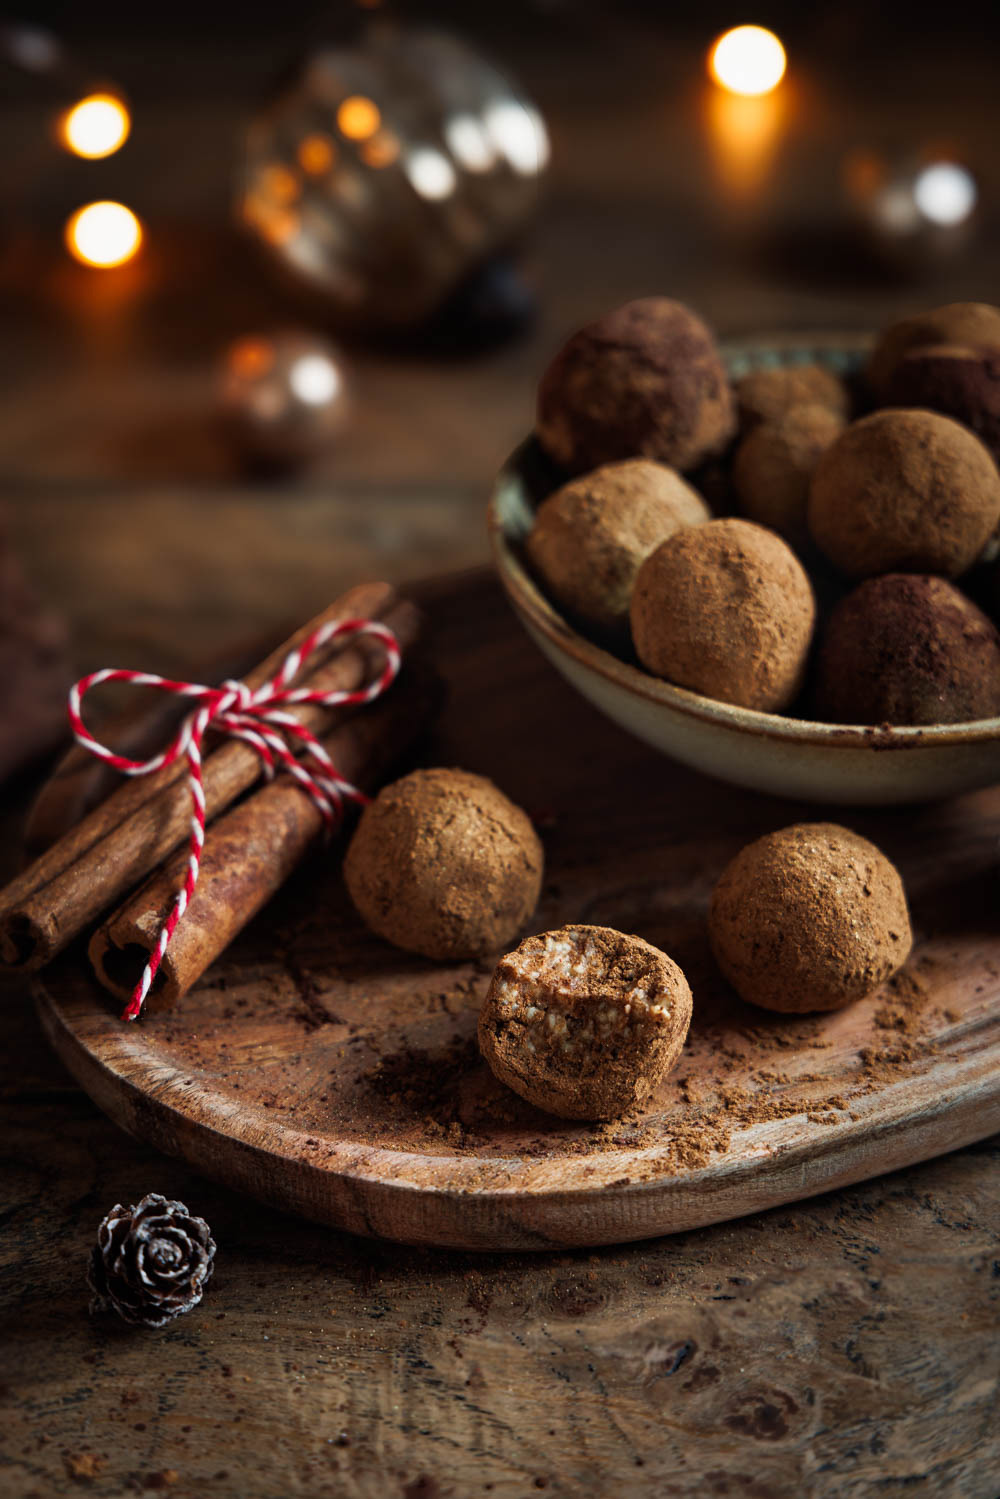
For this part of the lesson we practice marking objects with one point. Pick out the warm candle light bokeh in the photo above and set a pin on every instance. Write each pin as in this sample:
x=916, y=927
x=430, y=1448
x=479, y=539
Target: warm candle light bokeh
x=103, y=234
x=358, y=118
x=749, y=61
x=95, y=127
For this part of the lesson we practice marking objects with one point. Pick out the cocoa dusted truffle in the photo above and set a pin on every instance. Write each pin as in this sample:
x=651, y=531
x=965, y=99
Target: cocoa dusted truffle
x=959, y=382
x=906, y=649
x=590, y=537
x=904, y=491
x=768, y=395
x=809, y=918
x=443, y=864
x=975, y=323
x=645, y=381
x=584, y=1022
x=774, y=464
x=727, y=610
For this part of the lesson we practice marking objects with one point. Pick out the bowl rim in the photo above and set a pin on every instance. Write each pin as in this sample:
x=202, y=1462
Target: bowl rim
x=528, y=599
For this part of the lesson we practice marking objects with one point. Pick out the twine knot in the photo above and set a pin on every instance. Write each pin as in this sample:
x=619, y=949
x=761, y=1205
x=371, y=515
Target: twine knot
x=258, y=716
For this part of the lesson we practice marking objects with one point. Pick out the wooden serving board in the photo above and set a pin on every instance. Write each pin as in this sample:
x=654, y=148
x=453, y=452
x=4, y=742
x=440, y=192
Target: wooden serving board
x=324, y=1072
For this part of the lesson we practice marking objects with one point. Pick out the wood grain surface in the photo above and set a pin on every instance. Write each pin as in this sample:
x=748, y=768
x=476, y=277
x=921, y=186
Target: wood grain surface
x=323, y=1071
x=844, y=1348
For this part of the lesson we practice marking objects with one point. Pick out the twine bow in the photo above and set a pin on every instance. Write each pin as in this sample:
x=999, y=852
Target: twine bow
x=257, y=716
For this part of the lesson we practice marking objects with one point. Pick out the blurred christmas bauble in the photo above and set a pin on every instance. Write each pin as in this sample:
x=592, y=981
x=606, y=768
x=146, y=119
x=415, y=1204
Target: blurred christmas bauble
x=387, y=174
x=911, y=210
x=282, y=396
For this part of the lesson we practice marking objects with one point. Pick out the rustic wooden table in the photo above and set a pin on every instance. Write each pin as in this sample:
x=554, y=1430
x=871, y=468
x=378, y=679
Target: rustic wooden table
x=844, y=1347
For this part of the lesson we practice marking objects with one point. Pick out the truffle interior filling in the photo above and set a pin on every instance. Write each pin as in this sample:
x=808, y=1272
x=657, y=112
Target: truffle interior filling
x=570, y=992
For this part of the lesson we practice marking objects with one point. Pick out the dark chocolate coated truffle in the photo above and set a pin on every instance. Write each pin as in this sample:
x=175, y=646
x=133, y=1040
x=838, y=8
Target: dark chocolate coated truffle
x=443, y=864
x=774, y=464
x=768, y=395
x=959, y=382
x=584, y=1021
x=906, y=649
x=725, y=609
x=590, y=538
x=975, y=323
x=809, y=918
x=645, y=381
x=904, y=491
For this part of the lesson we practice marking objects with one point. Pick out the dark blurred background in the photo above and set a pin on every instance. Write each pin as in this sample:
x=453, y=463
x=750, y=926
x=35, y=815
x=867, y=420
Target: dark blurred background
x=127, y=498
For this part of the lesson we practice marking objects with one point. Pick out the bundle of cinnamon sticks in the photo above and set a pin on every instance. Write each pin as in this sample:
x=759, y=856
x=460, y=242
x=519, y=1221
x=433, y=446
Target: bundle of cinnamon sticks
x=122, y=864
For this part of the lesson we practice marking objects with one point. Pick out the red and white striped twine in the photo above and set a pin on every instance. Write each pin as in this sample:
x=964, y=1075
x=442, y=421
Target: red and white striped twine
x=252, y=714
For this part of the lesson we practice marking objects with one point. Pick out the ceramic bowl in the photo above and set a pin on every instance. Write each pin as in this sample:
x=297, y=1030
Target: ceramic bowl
x=769, y=752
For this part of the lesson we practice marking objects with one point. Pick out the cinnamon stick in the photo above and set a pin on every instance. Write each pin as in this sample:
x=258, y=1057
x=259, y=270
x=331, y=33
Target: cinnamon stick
x=250, y=853
x=125, y=838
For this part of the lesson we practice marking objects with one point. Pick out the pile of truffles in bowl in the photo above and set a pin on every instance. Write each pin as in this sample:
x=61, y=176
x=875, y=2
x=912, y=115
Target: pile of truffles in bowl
x=773, y=560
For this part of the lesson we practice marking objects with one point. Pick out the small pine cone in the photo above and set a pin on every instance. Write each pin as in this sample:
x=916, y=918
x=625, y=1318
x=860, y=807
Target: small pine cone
x=151, y=1262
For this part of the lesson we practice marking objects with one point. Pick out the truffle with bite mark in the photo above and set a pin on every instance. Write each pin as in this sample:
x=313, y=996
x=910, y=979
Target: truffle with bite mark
x=768, y=395
x=590, y=538
x=904, y=491
x=443, y=864
x=906, y=649
x=960, y=382
x=646, y=381
x=583, y=1022
x=774, y=464
x=725, y=609
x=809, y=918
x=975, y=323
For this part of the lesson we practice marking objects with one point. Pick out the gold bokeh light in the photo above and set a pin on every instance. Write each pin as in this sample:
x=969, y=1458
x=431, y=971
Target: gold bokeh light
x=103, y=234
x=95, y=127
x=358, y=118
x=749, y=60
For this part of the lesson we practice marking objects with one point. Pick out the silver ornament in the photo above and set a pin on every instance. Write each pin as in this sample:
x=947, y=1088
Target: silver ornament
x=282, y=396
x=912, y=211
x=389, y=172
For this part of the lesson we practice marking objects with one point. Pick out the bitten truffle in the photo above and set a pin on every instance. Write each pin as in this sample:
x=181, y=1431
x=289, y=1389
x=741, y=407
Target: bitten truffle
x=975, y=323
x=774, y=464
x=809, y=918
x=959, y=382
x=768, y=395
x=725, y=609
x=443, y=864
x=584, y=1022
x=906, y=649
x=645, y=381
x=904, y=491
x=590, y=538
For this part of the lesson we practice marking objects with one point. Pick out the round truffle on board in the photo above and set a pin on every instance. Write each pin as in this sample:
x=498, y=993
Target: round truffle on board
x=774, y=465
x=768, y=395
x=443, y=864
x=809, y=918
x=959, y=382
x=583, y=1022
x=975, y=323
x=904, y=491
x=725, y=609
x=906, y=649
x=645, y=381
x=590, y=538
